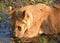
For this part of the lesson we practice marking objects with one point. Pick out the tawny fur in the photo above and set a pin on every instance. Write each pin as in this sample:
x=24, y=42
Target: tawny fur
x=38, y=19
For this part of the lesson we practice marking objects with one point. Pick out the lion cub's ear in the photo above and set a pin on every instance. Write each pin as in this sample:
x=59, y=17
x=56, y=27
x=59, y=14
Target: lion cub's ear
x=11, y=9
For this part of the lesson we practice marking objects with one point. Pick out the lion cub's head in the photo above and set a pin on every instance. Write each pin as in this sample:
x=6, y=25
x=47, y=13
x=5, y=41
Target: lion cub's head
x=19, y=19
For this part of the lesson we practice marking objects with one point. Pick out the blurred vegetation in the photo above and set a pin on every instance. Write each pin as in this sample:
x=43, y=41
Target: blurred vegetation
x=4, y=4
x=20, y=3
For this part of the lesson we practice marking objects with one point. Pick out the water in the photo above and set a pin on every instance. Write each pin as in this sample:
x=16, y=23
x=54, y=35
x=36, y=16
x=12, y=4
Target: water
x=5, y=39
x=5, y=29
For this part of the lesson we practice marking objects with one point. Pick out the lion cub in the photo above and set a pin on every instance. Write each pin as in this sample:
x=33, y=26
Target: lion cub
x=29, y=21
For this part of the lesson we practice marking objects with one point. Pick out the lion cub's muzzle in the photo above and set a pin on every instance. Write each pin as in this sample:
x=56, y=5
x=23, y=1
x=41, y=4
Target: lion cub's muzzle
x=20, y=29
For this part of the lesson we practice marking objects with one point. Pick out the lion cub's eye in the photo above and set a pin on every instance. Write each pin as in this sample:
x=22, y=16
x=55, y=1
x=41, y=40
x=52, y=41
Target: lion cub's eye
x=19, y=28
